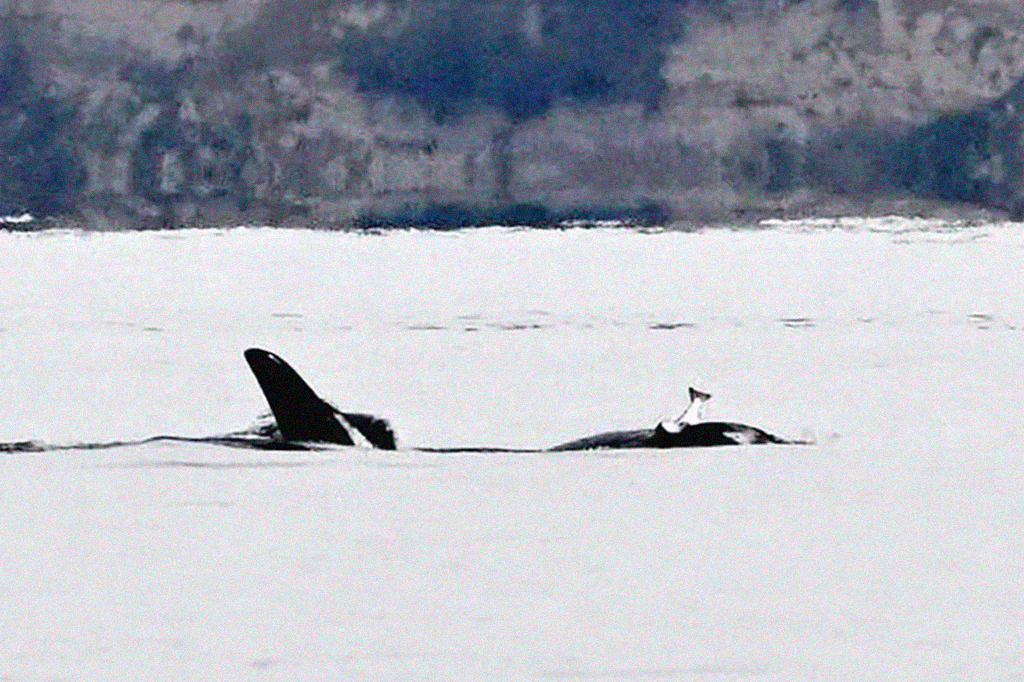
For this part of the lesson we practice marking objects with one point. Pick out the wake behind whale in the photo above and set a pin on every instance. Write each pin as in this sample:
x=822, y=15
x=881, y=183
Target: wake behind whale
x=302, y=420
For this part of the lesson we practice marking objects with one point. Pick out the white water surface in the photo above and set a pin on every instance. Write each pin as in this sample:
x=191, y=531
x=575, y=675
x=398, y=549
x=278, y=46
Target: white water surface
x=890, y=550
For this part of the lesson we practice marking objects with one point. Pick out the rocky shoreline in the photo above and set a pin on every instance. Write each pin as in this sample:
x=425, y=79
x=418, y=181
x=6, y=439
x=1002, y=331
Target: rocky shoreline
x=760, y=110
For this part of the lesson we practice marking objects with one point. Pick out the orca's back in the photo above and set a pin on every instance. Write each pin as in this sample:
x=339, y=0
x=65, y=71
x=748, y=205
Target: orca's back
x=377, y=431
x=700, y=435
x=612, y=440
x=709, y=434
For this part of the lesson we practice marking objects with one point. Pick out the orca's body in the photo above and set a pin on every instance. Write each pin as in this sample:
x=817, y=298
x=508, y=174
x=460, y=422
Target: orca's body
x=702, y=435
x=685, y=431
x=302, y=416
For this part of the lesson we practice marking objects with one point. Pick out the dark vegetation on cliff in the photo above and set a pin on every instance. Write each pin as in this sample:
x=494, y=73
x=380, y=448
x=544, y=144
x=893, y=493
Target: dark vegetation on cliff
x=964, y=157
x=40, y=169
x=463, y=54
x=960, y=157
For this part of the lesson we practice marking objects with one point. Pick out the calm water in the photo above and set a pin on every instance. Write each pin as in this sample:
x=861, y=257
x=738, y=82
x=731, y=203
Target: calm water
x=890, y=550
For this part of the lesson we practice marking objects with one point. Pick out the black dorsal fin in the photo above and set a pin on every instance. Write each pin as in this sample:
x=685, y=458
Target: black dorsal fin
x=300, y=413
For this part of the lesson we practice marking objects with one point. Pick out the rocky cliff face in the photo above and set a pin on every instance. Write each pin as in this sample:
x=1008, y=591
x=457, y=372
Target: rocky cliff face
x=223, y=112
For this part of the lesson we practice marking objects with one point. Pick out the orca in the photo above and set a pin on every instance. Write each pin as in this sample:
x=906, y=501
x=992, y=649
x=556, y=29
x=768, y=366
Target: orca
x=299, y=419
x=686, y=431
x=300, y=415
x=703, y=435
